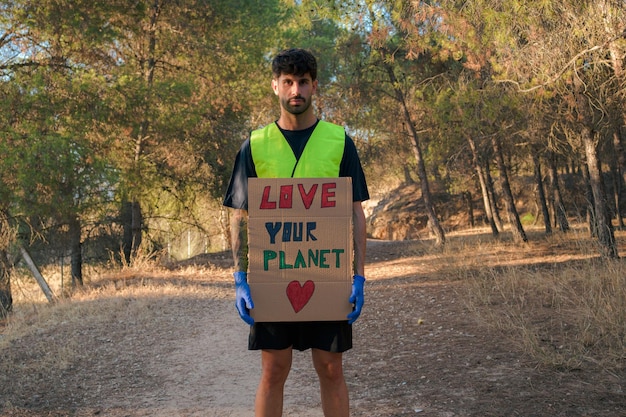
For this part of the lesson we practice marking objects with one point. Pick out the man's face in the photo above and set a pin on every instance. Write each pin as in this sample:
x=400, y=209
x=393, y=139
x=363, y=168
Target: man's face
x=294, y=92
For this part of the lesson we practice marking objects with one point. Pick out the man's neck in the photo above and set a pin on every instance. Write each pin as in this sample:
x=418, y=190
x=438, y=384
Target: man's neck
x=288, y=121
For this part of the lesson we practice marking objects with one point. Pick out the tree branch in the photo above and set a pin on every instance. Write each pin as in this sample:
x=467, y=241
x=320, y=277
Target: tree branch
x=565, y=67
x=36, y=64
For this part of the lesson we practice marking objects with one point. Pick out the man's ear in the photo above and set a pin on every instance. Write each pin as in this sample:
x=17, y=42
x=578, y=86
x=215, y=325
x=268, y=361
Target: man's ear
x=275, y=85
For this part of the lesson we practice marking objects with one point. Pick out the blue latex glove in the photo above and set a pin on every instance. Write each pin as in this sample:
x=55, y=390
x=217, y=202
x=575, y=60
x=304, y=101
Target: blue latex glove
x=243, y=300
x=356, y=298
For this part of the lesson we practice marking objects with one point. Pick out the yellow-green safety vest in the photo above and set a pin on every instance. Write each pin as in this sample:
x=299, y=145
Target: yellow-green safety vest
x=274, y=158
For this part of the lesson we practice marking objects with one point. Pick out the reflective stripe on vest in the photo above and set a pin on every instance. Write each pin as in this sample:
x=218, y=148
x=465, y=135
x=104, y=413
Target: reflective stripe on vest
x=274, y=158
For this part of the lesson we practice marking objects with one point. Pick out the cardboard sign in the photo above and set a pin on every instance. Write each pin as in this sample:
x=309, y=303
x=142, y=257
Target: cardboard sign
x=300, y=248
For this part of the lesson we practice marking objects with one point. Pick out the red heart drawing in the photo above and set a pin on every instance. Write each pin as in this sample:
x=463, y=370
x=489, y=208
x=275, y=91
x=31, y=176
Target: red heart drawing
x=299, y=295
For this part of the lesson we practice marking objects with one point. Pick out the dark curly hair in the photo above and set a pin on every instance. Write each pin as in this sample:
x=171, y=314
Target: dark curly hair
x=294, y=61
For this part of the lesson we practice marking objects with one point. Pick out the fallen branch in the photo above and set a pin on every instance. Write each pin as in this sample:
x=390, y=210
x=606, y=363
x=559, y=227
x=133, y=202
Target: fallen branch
x=35, y=271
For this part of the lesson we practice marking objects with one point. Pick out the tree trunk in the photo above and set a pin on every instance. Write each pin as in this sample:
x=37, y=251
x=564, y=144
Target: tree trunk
x=433, y=222
x=604, y=226
x=132, y=224
x=617, y=174
x=407, y=175
x=616, y=56
x=541, y=193
x=476, y=160
x=519, y=234
x=590, y=140
x=6, y=238
x=76, y=251
x=467, y=197
x=6, y=300
x=560, y=216
x=590, y=210
x=618, y=144
x=134, y=228
x=491, y=193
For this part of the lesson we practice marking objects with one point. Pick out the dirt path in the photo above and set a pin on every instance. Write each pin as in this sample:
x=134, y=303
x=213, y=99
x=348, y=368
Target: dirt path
x=418, y=352
x=212, y=374
x=202, y=367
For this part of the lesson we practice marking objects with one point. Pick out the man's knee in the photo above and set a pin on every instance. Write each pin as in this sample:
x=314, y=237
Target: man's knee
x=276, y=366
x=328, y=365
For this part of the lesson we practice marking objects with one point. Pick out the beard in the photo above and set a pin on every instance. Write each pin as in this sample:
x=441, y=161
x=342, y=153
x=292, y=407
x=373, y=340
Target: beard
x=296, y=109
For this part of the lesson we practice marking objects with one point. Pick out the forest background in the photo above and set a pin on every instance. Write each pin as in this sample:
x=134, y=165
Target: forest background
x=120, y=120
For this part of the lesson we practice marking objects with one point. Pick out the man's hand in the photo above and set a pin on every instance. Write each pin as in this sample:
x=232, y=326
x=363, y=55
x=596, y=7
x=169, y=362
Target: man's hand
x=356, y=298
x=243, y=300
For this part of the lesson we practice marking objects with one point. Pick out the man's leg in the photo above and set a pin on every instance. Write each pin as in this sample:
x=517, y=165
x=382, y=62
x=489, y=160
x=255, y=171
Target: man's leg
x=329, y=367
x=275, y=366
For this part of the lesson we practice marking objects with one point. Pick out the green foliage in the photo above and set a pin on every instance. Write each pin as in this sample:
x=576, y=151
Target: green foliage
x=112, y=98
x=149, y=101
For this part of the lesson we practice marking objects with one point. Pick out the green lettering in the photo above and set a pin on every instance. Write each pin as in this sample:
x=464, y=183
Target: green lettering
x=299, y=263
x=283, y=264
x=313, y=256
x=268, y=255
x=337, y=252
x=323, y=254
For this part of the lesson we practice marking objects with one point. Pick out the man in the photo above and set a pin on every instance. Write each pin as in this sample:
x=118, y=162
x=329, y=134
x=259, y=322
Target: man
x=297, y=145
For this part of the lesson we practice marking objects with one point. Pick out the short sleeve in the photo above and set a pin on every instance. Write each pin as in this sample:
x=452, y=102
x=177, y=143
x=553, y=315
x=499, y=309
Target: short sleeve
x=237, y=193
x=351, y=167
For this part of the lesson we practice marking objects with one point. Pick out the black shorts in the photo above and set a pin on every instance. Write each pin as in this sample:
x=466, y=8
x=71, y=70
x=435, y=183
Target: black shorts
x=330, y=336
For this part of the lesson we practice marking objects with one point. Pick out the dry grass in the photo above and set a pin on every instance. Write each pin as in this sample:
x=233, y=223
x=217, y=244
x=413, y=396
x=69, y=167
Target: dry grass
x=561, y=303
x=555, y=297
x=108, y=289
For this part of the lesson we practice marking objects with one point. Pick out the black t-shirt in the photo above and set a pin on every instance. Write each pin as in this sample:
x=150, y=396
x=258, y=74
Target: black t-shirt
x=237, y=193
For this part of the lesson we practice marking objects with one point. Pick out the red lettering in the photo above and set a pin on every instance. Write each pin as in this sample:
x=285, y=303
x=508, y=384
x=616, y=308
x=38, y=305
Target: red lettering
x=327, y=194
x=265, y=203
x=307, y=198
x=286, y=193
x=284, y=199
